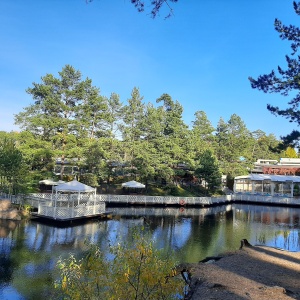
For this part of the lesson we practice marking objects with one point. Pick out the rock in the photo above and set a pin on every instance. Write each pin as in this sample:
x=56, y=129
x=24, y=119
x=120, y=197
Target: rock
x=5, y=204
x=245, y=243
x=7, y=212
x=210, y=259
x=11, y=214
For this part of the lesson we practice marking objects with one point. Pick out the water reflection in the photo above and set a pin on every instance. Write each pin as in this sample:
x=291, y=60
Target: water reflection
x=29, y=250
x=271, y=226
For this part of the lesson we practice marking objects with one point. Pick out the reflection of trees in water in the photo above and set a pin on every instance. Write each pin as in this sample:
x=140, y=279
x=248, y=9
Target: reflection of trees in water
x=6, y=268
x=19, y=264
x=273, y=226
x=29, y=254
x=262, y=238
x=195, y=225
x=29, y=250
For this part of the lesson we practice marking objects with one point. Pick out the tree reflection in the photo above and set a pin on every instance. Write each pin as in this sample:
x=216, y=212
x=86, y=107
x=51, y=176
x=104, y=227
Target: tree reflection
x=29, y=250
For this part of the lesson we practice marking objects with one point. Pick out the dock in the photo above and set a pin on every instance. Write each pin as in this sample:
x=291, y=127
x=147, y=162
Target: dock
x=66, y=208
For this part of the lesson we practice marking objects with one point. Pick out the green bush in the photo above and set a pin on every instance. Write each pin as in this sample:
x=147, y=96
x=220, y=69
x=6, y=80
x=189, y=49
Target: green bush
x=137, y=271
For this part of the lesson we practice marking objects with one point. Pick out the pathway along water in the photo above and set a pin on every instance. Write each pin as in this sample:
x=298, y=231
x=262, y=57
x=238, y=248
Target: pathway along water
x=29, y=250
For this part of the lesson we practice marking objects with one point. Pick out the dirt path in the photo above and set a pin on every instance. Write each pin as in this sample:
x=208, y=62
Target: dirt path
x=259, y=273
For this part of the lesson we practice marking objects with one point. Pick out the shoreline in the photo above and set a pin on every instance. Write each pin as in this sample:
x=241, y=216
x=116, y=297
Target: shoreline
x=255, y=272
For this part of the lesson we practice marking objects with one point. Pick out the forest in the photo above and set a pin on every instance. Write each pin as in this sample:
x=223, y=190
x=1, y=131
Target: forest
x=71, y=130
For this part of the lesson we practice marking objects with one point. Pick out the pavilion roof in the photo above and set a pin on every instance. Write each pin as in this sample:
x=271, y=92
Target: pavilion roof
x=261, y=177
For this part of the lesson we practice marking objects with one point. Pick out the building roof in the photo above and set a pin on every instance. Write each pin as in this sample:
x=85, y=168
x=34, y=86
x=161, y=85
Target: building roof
x=261, y=177
x=73, y=186
x=50, y=182
x=133, y=184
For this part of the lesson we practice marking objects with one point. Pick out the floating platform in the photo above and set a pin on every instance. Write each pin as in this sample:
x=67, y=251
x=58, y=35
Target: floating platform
x=69, y=221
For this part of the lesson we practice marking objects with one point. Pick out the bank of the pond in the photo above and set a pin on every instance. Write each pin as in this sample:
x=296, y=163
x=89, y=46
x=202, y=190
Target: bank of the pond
x=259, y=273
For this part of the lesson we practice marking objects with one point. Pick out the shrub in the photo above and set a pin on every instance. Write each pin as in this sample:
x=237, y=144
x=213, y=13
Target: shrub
x=137, y=271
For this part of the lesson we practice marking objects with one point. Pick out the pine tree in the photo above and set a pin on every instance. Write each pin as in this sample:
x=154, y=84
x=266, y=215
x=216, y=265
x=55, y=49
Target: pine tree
x=285, y=82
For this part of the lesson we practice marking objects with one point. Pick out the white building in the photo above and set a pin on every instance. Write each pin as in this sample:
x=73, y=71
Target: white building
x=268, y=185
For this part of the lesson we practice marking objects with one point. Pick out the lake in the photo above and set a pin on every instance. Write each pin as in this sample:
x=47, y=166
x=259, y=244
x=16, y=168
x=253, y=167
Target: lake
x=29, y=249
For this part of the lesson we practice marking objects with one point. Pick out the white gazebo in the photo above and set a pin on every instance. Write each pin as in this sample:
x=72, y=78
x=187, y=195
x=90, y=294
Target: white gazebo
x=133, y=184
x=73, y=200
x=74, y=187
x=47, y=184
x=73, y=191
x=265, y=184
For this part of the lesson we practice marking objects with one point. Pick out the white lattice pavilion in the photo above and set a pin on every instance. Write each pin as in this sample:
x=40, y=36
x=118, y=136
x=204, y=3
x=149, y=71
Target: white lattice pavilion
x=265, y=184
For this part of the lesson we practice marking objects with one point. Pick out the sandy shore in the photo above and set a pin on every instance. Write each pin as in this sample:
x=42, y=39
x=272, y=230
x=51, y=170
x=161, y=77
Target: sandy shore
x=256, y=272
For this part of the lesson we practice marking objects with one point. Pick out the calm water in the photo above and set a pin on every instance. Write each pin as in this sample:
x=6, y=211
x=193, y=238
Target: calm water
x=29, y=250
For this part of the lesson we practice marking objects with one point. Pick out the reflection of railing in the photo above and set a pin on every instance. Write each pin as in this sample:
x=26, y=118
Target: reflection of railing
x=168, y=211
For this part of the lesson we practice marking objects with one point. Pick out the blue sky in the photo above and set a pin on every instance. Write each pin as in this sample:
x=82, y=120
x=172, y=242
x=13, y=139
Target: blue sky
x=201, y=56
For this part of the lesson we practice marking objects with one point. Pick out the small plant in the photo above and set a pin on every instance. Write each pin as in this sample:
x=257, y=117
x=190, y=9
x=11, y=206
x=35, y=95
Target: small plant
x=137, y=271
x=27, y=207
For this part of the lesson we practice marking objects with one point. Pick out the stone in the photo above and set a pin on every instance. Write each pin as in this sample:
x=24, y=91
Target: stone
x=11, y=214
x=5, y=204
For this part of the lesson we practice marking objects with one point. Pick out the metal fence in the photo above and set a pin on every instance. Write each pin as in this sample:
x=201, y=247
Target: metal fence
x=165, y=200
x=266, y=199
x=74, y=206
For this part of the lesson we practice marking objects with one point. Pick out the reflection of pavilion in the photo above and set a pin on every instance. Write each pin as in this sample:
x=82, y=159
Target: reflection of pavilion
x=268, y=185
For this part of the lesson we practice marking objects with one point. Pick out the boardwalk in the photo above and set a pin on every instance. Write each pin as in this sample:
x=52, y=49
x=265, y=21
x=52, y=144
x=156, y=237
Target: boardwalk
x=71, y=207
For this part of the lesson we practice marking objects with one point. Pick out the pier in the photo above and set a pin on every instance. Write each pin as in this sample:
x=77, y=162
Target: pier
x=86, y=205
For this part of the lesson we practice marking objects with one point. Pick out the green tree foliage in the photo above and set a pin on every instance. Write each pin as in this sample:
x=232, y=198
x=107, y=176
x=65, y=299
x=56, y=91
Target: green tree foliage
x=233, y=144
x=208, y=171
x=175, y=132
x=92, y=113
x=285, y=82
x=137, y=271
x=202, y=134
x=37, y=154
x=115, y=115
x=65, y=109
x=11, y=166
x=152, y=161
x=132, y=129
x=263, y=146
x=70, y=119
x=290, y=153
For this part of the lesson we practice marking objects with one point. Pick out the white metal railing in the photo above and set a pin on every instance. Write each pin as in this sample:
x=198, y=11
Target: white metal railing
x=168, y=200
x=65, y=206
x=15, y=199
x=63, y=213
x=275, y=199
x=48, y=199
